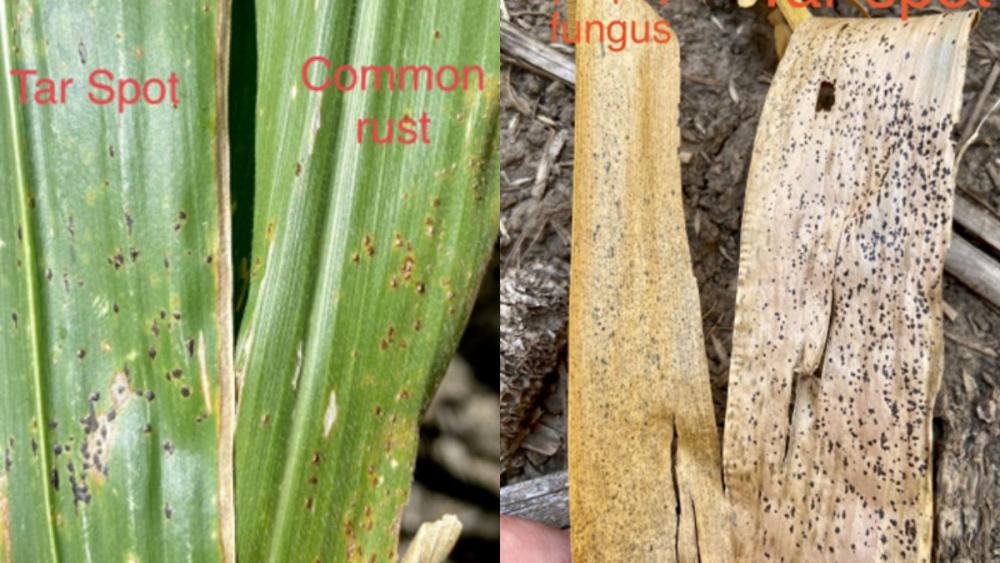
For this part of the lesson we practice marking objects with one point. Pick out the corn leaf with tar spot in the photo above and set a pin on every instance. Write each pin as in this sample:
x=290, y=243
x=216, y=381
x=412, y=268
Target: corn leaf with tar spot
x=366, y=260
x=114, y=290
x=837, y=341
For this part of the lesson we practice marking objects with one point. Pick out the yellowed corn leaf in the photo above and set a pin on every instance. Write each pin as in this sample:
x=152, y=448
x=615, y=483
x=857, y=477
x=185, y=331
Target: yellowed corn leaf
x=838, y=339
x=794, y=15
x=782, y=32
x=645, y=473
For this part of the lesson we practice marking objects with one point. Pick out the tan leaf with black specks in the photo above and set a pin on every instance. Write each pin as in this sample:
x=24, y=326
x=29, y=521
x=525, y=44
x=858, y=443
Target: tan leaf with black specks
x=645, y=474
x=837, y=343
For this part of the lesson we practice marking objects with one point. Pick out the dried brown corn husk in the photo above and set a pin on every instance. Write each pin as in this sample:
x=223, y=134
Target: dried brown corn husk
x=645, y=473
x=838, y=339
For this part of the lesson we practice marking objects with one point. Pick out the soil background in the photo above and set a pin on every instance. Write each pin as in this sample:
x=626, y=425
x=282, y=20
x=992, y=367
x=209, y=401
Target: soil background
x=727, y=61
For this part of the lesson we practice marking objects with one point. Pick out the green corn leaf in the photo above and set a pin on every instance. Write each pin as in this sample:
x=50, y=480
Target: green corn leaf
x=366, y=259
x=115, y=410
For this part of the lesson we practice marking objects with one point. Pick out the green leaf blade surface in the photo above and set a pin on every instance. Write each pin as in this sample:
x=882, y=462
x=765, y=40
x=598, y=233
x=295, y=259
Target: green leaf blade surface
x=114, y=283
x=366, y=261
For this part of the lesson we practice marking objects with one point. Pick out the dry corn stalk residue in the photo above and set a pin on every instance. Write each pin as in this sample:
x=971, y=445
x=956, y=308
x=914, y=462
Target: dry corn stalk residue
x=837, y=339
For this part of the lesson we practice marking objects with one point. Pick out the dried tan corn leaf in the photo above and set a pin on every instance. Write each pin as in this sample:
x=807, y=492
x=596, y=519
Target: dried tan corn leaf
x=434, y=541
x=838, y=334
x=644, y=453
